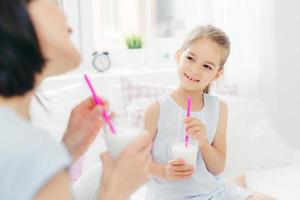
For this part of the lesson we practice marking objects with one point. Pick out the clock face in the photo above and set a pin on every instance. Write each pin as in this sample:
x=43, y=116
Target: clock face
x=101, y=62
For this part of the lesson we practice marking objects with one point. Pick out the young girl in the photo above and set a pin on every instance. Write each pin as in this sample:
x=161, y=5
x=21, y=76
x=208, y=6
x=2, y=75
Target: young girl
x=200, y=62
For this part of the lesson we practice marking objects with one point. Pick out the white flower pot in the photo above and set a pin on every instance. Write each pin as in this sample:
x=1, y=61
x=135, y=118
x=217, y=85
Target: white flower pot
x=136, y=58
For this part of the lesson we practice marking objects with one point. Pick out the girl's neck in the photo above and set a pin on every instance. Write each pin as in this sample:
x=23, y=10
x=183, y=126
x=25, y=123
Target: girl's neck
x=180, y=95
x=18, y=104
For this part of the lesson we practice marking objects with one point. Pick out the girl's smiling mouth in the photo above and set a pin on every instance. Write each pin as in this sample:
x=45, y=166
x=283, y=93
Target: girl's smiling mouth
x=190, y=78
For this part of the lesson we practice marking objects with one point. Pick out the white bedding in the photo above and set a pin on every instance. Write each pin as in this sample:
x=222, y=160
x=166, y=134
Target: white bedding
x=282, y=183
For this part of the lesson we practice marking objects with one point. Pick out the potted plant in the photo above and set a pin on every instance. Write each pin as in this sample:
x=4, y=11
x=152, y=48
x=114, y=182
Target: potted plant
x=134, y=42
x=136, y=55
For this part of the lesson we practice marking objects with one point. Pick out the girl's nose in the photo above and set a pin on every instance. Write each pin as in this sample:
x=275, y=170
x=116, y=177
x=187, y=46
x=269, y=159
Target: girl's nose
x=195, y=71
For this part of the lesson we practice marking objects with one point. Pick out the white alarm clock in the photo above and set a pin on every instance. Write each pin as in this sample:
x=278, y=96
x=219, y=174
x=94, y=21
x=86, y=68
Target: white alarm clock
x=101, y=61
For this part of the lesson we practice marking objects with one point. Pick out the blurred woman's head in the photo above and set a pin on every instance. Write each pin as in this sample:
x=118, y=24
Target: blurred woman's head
x=34, y=44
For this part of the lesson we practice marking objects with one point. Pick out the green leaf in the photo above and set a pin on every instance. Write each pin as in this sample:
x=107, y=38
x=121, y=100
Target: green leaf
x=133, y=42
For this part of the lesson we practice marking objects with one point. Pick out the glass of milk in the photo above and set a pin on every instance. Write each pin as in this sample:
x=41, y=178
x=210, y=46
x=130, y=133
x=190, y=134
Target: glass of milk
x=126, y=133
x=187, y=153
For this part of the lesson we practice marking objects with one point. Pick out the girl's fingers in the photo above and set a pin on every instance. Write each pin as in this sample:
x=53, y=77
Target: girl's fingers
x=189, y=119
x=182, y=177
x=184, y=173
x=196, y=132
x=176, y=162
x=194, y=129
x=193, y=123
x=197, y=126
x=183, y=168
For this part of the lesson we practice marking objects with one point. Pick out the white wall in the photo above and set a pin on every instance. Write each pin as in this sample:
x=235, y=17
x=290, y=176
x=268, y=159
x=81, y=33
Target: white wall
x=79, y=14
x=288, y=57
x=268, y=70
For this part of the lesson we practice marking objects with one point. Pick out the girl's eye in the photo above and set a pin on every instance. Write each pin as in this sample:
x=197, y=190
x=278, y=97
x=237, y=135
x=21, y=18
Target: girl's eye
x=70, y=30
x=190, y=58
x=208, y=67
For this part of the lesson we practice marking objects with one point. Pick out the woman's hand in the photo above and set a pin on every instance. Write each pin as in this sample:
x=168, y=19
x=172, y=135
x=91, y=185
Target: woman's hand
x=197, y=130
x=84, y=124
x=122, y=176
x=178, y=170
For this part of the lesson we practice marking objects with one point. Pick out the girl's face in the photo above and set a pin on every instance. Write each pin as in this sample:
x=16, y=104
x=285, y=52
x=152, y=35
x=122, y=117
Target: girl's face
x=53, y=34
x=199, y=64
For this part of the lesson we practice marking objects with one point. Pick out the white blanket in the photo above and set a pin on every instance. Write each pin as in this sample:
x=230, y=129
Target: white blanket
x=282, y=183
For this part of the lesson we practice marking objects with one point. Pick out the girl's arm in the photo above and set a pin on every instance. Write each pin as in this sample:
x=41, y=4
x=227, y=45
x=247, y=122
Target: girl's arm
x=215, y=155
x=151, y=116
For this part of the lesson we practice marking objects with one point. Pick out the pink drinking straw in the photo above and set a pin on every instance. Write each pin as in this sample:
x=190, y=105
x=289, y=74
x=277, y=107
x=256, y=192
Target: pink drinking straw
x=188, y=113
x=98, y=101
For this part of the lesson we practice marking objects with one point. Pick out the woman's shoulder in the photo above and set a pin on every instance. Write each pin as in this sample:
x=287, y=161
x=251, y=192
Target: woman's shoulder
x=29, y=156
x=28, y=148
x=19, y=134
x=21, y=142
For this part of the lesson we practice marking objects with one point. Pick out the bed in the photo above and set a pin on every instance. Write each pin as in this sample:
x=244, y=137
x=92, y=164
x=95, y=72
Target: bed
x=280, y=182
x=254, y=145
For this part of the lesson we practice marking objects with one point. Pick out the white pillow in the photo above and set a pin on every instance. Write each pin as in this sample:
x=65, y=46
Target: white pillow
x=136, y=96
x=252, y=140
x=134, y=89
x=136, y=109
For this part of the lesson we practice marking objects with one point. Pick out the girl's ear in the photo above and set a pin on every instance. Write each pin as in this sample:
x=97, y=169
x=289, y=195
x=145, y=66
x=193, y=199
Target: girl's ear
x=219, y=73
x=177, y=56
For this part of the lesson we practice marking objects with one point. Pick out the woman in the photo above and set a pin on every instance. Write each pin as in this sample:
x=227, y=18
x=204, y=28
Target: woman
x=34, y=44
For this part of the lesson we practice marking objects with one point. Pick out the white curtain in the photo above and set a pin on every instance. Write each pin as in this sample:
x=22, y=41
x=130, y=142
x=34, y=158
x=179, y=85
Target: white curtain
x=251, y=28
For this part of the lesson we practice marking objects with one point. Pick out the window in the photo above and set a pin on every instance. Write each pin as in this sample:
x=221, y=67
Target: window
x=114, y=19
x=160, y=23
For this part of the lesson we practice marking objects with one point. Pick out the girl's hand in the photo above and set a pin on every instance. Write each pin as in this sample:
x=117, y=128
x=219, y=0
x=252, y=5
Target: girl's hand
x=84, y=125
x=197, y=130
x=178, y=170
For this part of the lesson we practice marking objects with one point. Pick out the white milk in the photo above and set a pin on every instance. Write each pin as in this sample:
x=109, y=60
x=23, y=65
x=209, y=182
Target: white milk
x=124, y=136
x=188, y=154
